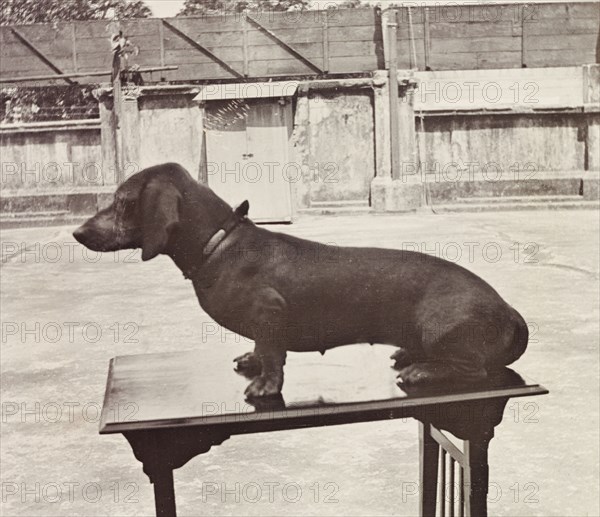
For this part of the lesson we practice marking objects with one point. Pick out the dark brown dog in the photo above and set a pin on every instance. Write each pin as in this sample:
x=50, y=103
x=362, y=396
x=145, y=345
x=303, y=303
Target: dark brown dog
x=290, y=294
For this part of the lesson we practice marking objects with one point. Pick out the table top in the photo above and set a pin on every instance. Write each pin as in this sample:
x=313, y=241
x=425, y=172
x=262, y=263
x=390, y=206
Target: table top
x=347, y=384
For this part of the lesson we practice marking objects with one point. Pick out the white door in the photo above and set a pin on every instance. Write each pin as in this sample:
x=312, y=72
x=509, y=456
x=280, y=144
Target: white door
x=247, y=156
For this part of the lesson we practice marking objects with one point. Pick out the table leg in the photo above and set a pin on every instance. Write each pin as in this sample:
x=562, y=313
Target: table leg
x=164, y=493
x=477, y=479
x=428, y=452
x=163, y=450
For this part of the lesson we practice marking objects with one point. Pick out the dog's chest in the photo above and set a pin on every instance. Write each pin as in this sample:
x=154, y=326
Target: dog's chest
x=228, y=303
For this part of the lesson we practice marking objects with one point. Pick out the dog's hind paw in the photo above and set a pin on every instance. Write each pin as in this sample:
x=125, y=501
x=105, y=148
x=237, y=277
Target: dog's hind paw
x=402, y=358
x=418, y=374
x=248, y=365
x=435, y=373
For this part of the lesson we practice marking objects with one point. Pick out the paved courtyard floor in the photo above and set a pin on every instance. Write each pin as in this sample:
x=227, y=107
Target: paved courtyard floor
x=66, y=312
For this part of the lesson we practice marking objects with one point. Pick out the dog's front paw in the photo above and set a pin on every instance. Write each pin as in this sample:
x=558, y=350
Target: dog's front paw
x=264, y=386
x=248, y=364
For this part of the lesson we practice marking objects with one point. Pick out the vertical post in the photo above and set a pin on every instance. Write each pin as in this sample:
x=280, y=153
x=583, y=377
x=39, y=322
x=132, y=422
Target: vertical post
x=164, y=493
x=117, y=105
x=591, y=95
x=126, y=127
x=326, y=44
x=129, y=132
x=110, y=164
x=161, y=35
x=302, y=153
x=407, y=138
x=521, y=9
x=426, y=37
x=245, y=44
x=382, y=125
x=591, y=84
x=381, y=185
x=461, y=491
x=476, y=477
x=74, y=50
x=428, y=453
x=442, y=482
x=393, y=92
x=451, y=486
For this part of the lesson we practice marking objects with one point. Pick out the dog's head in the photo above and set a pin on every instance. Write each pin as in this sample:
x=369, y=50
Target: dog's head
x=144, y=214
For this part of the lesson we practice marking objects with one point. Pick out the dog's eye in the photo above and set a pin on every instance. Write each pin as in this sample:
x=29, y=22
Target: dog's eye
x=119, y=204
x=122, y=203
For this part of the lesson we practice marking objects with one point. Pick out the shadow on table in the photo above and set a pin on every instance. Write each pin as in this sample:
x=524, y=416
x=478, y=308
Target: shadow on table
x=463, y=419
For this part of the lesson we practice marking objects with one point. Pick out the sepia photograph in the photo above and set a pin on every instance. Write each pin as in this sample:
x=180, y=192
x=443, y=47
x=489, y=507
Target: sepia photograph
x=300, y=257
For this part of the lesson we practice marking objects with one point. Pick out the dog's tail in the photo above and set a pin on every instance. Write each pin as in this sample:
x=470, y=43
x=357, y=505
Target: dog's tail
x=519, y=340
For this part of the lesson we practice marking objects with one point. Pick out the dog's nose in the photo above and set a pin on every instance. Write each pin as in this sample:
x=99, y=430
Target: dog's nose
x=79, y=235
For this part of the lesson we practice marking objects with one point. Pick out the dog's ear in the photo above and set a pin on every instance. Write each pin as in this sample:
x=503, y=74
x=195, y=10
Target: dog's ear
x=160, y=216
x=242, y=209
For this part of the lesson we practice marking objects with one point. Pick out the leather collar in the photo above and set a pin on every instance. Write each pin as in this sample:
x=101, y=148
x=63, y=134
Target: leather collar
x=239, y=214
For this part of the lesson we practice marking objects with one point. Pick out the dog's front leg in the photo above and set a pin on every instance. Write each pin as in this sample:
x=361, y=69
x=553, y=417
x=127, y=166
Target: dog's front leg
x=270, y=381
x=248, y=364
x=269, y=314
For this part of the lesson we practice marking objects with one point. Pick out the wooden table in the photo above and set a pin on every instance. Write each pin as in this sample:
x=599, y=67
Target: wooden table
x=174, y=406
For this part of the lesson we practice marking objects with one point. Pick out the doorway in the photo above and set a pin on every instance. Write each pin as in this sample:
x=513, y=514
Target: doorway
x=247, y=155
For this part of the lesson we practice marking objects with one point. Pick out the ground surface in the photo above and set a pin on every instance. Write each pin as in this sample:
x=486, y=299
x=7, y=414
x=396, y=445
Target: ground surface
x=65, y=314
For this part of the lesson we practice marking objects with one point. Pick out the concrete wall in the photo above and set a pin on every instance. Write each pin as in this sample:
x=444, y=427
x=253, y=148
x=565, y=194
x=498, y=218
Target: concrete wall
x=170, y=129
x=340, y=138
x=509, y=155
x=507, y=132
x=535, y=142
x=42, y=158
x=156, y=125
x=333, y=140
x=593, y=138
x=524, y=123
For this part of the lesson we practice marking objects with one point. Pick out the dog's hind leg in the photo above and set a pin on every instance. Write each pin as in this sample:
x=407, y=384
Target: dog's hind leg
x=440, y=372
x=454, y=356
x=410, y=350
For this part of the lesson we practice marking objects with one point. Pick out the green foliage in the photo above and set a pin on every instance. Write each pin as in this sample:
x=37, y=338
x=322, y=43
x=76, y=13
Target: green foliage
x=21, y=12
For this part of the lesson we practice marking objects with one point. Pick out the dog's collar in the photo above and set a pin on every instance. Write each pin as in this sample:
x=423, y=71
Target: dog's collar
x=239, y=215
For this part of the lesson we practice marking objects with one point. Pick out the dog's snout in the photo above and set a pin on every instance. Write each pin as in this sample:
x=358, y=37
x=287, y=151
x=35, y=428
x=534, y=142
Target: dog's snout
x=93, y=234
x=84, y=235
x=102, y=233
x=92, y=238
x=80, y=234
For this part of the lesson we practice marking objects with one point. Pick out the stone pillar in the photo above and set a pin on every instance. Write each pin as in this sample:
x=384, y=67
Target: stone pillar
x=120, y=133
x=408, y=189
x=108, y=139
x=591, y=84
x=405, y=191
x=128, y=132
x=382, y=183
x=300, y=149
x=591, y=97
